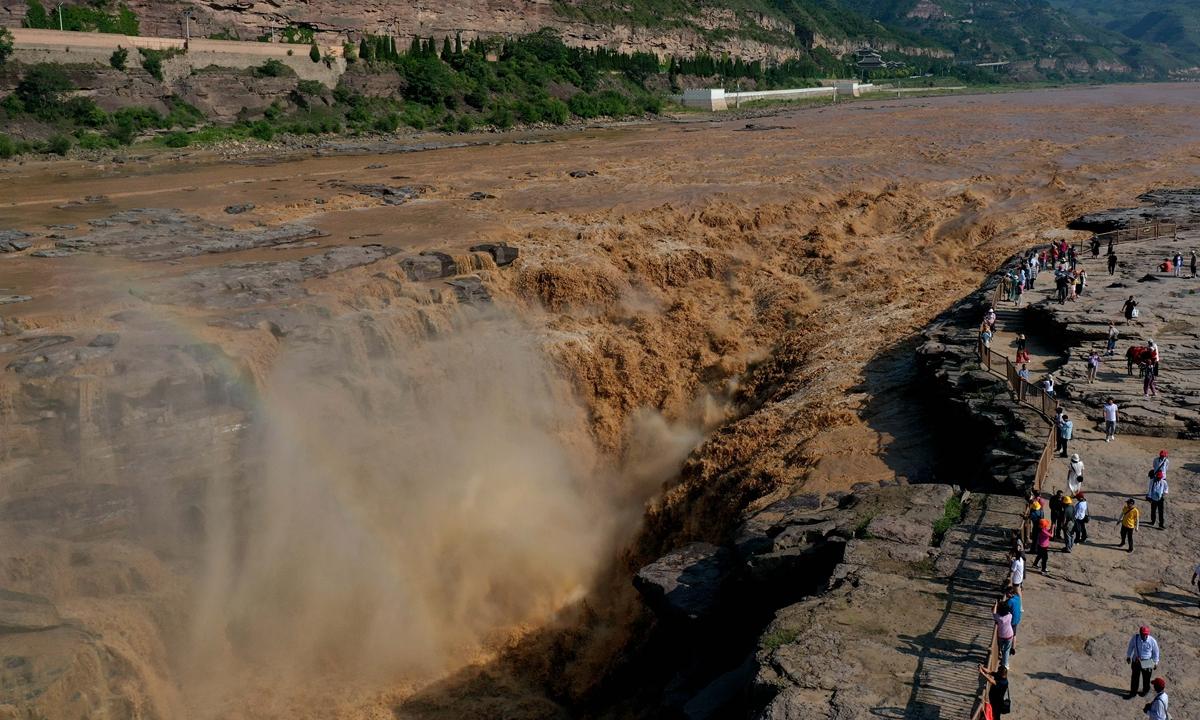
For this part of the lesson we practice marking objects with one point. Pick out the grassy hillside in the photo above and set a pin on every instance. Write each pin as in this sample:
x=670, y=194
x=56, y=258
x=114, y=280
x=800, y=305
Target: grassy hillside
x=1163, y=27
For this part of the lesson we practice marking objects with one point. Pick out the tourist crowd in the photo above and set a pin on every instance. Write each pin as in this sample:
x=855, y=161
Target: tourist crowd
x=1064, y=516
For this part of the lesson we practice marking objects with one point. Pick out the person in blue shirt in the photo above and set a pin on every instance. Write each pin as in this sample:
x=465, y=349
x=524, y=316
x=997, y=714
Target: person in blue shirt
x=1014, y=604
x=1142, y=655
x=1065, y=431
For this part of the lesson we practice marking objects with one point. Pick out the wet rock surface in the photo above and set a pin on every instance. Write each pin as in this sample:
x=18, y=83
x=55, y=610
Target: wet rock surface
x=389, y=194
x=26, y=613
x=502, y=254
x=13, y=241
x=159, y=234
x=244, y=284
x=1180, y=206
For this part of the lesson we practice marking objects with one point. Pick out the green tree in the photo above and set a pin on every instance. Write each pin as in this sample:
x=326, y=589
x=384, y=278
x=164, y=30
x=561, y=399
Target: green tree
x=446, y=49
x=6, y=45
x=36, y=16
x=366, y=50
x=119, y=58
x=41, y=89
x=59, y=145
x=314, y=53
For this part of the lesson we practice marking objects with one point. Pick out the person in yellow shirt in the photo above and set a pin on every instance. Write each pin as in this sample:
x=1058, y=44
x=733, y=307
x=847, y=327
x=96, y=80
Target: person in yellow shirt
x=1129, y=522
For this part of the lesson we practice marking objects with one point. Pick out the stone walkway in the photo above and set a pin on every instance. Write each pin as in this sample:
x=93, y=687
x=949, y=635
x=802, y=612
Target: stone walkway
x=1079, y=618
x=973, y=556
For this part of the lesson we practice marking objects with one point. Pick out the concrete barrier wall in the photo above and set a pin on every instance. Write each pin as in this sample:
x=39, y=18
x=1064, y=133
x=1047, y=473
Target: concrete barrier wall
x=719, y=99
x=34, y=46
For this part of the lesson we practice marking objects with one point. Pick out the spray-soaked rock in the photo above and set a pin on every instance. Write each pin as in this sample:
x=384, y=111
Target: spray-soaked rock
x=470, y=290
x=239, y=209
x=251, y=283
x=157, y=234
x=25, y=613
x=687, y=582
x=502, y=253
x=392, y=195
x=429, y=265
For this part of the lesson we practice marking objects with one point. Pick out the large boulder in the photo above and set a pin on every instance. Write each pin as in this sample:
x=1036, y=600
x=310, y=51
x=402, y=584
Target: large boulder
x=26, y=613
x=686, y=583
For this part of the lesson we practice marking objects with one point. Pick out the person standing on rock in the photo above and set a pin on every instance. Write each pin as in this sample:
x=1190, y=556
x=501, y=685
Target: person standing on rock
x=1041, y=545
x=1111, y=349
x=1093, y=366
x=1156, y=709
x=989, y=318
x=998, y=698
x=1129, y=523
x=1142, y=655
x=1130, y=308
x=1112, y=261
x=1150, y=380
x=1075, y=474
x=1081, y=518
x=1095, y=247
x=1110, y=419
x=1193, y=262
x=1081, y=283
x=1064, y=433
x=1178, y=263
x=1157, y=495
x=1160, y=465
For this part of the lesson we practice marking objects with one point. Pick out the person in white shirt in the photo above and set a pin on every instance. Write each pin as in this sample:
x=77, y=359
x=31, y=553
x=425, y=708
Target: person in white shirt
x=1157, y=495
x=1110, y=419
x=1142, y=655
x=1156, y=709
x=1075, y=474
x=1017, y=571
x=1081, y=518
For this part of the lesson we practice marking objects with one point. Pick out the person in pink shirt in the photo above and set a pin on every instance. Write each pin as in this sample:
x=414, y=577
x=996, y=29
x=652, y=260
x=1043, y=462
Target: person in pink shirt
x=1041, y=544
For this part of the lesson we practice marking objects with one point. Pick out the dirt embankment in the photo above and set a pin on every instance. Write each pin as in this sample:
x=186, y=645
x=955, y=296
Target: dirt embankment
x=686, y=333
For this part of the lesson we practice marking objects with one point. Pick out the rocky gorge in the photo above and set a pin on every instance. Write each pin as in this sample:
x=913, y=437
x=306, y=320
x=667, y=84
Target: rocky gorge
x=502, y=438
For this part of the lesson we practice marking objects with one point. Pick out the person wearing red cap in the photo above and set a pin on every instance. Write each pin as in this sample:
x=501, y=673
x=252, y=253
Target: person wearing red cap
x=1156, y=709
x=1157, y=495
x=1142, y=655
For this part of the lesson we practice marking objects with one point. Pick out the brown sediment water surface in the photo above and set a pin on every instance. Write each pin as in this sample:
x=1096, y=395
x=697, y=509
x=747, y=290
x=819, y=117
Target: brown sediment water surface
x=293, y=479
